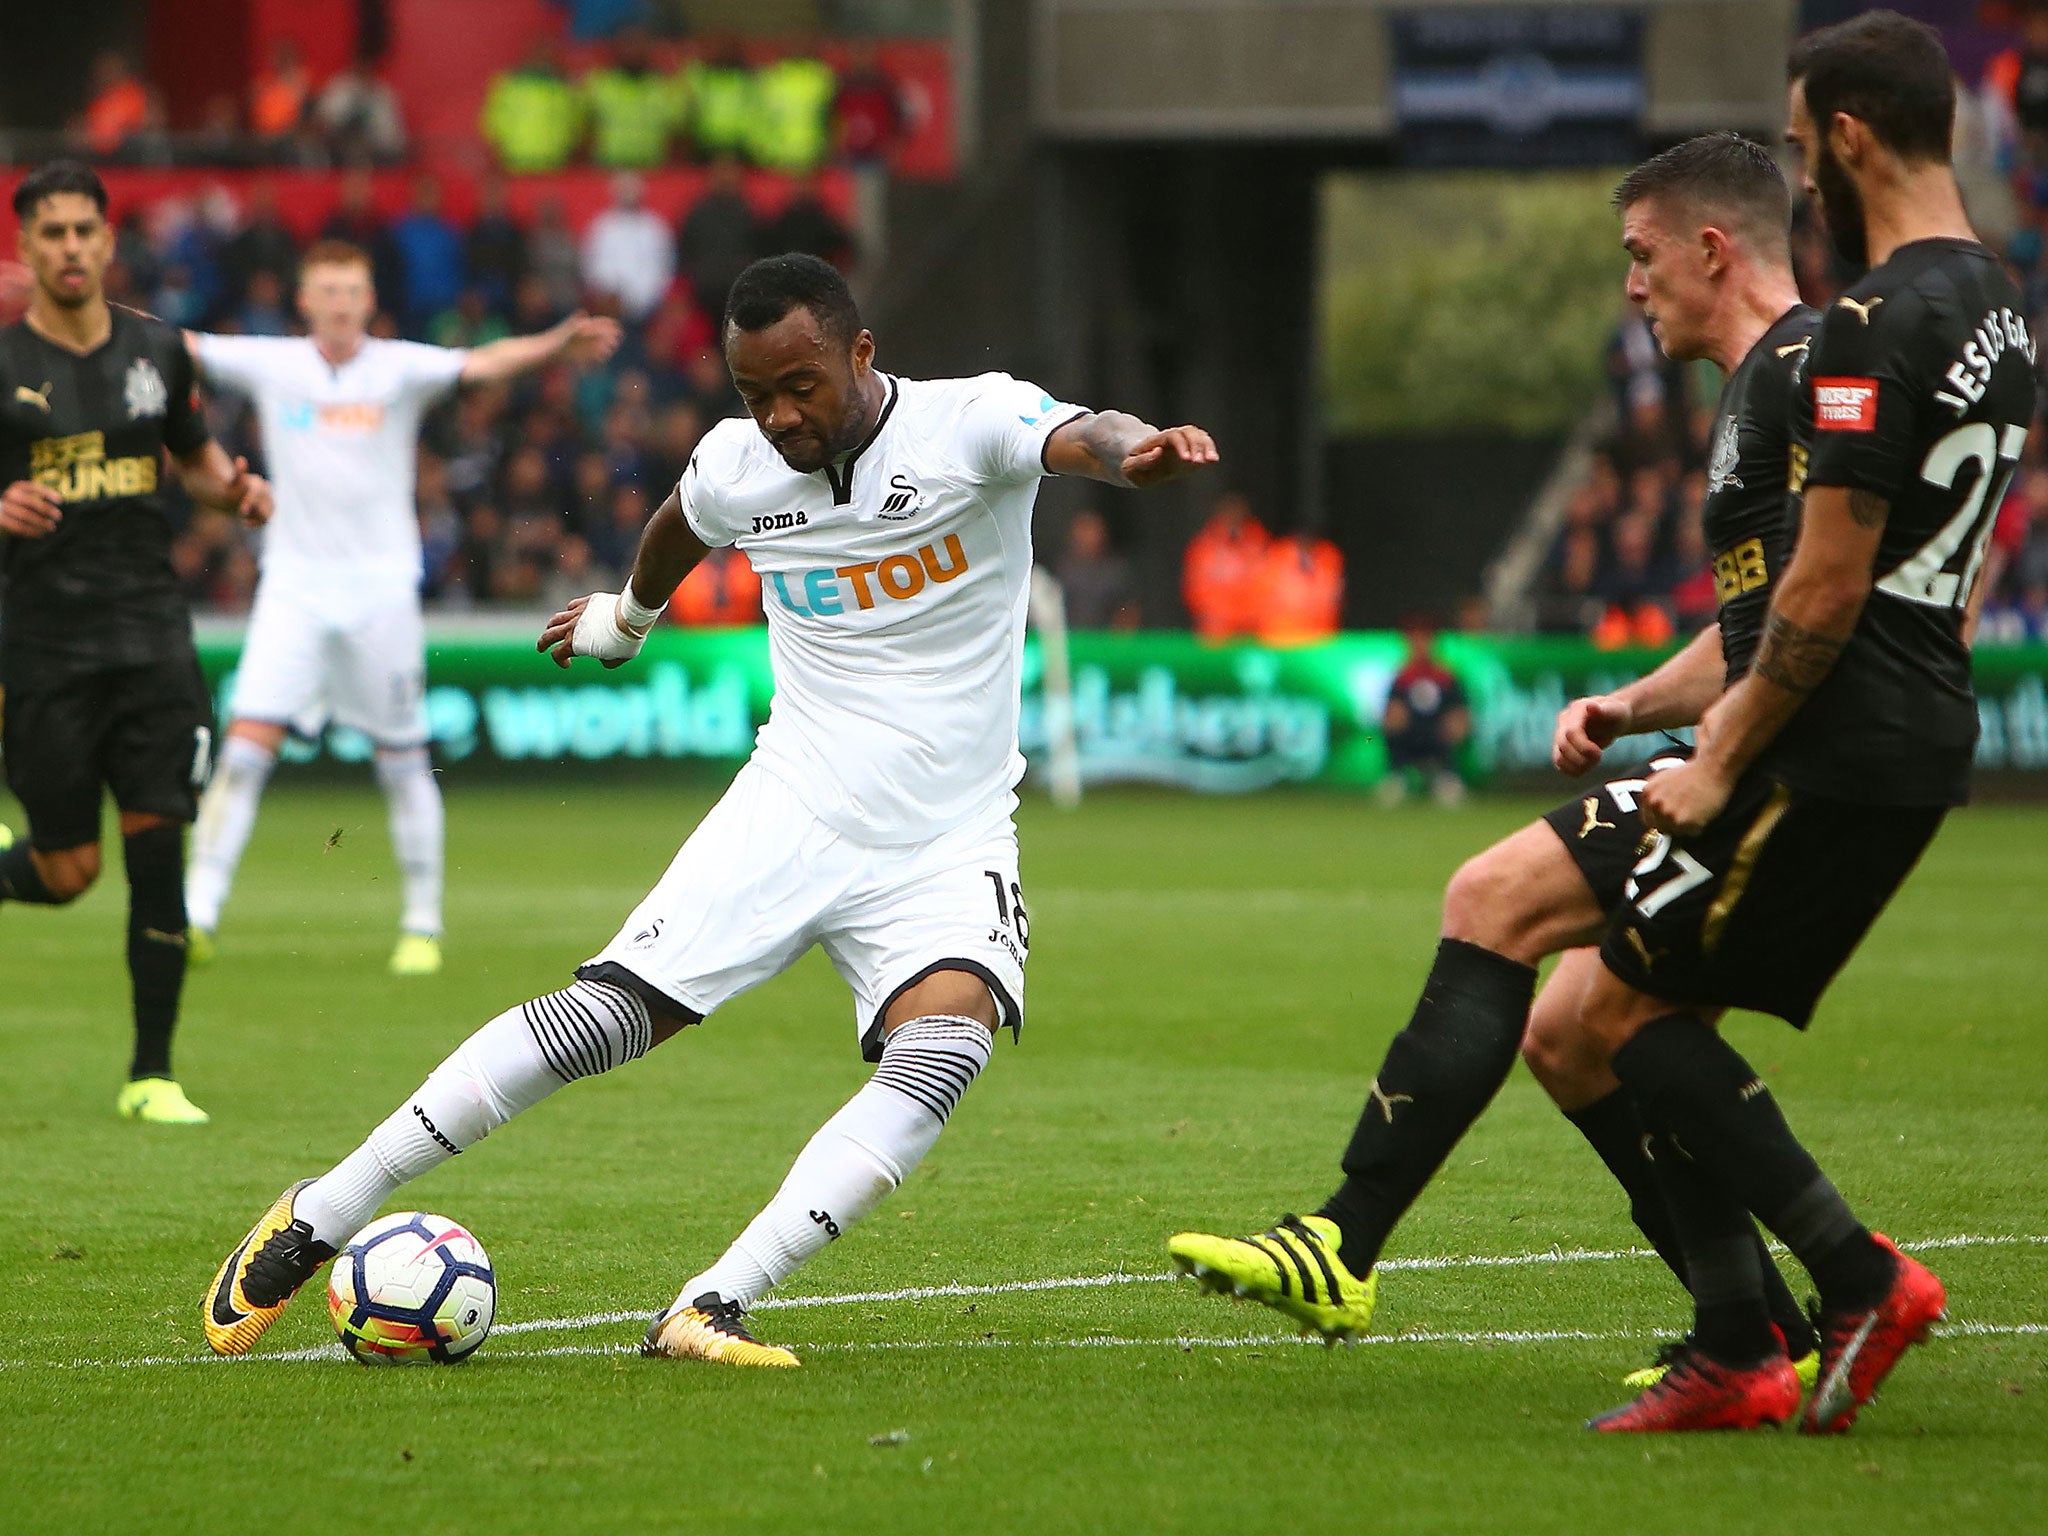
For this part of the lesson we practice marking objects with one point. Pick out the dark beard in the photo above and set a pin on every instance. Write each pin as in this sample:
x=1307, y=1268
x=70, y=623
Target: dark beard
x=1842, y=211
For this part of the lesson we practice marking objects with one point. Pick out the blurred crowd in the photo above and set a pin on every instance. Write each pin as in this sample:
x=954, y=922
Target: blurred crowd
x=632, y=108
x=1238, y=581
x=527, y=492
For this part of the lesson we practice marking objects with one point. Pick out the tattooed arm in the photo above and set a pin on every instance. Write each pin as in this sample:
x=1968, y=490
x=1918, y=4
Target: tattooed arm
x=1121, y=450
x=1813, y=613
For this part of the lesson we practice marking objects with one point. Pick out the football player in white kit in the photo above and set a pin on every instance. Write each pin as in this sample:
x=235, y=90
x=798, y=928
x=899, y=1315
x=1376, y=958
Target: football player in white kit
x=336, y=631
x=890, y=520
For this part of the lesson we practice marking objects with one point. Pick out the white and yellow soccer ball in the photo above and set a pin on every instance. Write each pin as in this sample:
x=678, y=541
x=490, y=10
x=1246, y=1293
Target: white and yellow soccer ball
x=412, y=1289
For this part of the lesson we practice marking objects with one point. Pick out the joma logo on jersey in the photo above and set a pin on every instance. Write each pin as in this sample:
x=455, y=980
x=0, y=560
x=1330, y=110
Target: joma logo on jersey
x=1845, y=405
x=897, y=579
x=77, y=468
x=775, y=522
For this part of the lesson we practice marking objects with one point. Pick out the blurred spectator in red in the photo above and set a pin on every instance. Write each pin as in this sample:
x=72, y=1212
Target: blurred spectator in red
x=1219, y=572
x=718, y=238
x=1094, y=579
x=1426, y=722
x=280, y=98
x=358, y=118
x=1300, y=590
x=868, y=115
x=675, y=331
x=532, y=115
x=628, y=251
x=119, y=107
x=806, y=224
x=721, y=593
x=494, y=249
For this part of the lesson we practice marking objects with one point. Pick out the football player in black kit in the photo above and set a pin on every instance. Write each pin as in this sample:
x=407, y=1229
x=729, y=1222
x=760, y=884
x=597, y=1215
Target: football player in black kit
x=1705, y=226
x=1821, y=777
x=101, y=684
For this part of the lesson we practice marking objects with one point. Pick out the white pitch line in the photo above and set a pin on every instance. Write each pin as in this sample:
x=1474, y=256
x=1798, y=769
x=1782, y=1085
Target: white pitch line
x=1091, y=1282
x=1087, y=1282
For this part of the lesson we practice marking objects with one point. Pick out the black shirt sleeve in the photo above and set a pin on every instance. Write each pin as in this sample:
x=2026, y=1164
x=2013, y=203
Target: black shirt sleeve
x=1867, y=402
x=184, y=422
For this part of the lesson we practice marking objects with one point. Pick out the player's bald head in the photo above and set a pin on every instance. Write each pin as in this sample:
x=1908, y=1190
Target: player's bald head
x=1718, y=179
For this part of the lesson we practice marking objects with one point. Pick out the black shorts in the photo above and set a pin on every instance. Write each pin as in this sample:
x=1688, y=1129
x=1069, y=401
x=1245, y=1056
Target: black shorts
x=1767, y=903
x=71, y=732
x=1603, y=829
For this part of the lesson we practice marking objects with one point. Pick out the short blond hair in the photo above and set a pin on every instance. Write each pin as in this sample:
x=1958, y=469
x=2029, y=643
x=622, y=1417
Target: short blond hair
x=334, y=253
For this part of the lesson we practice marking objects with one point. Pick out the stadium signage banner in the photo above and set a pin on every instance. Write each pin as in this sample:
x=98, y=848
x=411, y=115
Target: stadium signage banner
x=1518, y=85
x=1154, y=707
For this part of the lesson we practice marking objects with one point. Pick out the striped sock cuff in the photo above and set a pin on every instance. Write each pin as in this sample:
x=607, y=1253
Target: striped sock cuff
x=930, y=1061
x=588, y=1028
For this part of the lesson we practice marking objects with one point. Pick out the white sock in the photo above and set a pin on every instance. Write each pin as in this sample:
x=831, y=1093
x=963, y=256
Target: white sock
x=857, y=1157
x=227, y=814
x=509, y=1065
x=413, y=797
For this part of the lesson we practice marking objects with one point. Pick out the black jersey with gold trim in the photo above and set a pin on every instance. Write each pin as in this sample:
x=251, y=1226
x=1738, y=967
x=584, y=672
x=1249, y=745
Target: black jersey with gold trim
x=1921, y=381
x=94, y=427
x=1749, y=514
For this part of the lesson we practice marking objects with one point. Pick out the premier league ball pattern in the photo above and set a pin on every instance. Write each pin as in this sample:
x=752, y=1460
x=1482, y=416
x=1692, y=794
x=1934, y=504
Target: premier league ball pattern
x=412, y=1289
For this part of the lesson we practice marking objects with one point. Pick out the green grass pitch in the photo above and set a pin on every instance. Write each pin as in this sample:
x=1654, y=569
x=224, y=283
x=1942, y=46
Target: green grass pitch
x=1212, y=984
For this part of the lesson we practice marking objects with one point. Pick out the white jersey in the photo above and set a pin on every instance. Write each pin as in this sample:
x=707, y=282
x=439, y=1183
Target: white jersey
x=340, y=445
x=895, y=585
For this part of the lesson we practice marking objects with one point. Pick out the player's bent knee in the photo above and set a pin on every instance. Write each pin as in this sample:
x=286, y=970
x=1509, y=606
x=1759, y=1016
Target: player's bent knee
x=666, y=1017
x=68, y=873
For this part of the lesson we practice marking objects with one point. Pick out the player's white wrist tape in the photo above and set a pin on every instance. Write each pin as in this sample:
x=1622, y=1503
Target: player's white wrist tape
x=632, y=615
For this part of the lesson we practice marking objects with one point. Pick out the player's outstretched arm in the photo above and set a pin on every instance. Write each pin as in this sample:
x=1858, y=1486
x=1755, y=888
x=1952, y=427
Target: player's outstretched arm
x=612, y=626
x=1812, y=616
x=214, y=480
x=1121, y=450
x=1676, y=693
x=581, y=338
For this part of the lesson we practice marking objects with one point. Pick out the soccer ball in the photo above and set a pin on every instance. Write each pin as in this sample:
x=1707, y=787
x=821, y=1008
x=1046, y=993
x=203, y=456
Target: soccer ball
x=412, y=1289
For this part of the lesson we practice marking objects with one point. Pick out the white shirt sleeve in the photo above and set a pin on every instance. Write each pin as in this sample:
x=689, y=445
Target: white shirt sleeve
x=1004, y=423
x=429, y=372
x=245, y=363
x=710, y=469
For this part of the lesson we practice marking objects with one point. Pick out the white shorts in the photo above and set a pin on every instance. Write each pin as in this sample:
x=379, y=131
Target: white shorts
x=762, y=879
x=302, y=666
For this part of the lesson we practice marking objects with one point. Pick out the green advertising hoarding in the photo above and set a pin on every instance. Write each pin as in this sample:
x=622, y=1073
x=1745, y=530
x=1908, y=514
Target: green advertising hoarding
x=1154, y=706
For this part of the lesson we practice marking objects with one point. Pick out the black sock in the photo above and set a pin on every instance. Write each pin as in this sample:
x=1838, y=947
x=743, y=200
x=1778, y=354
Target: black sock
x=1615, y=1130
x=1723, y=1260
x=155, y=858
x=1439, y=1074
x=1690, y=1082
x=20, y=880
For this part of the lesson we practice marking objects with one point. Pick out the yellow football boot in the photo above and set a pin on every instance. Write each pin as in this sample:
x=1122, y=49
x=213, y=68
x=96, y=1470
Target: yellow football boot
x=158, y=1101
x=266, y=1269
x=711, y=1329
x=418, y=954
x=1292, y=1267
x=200, y=948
